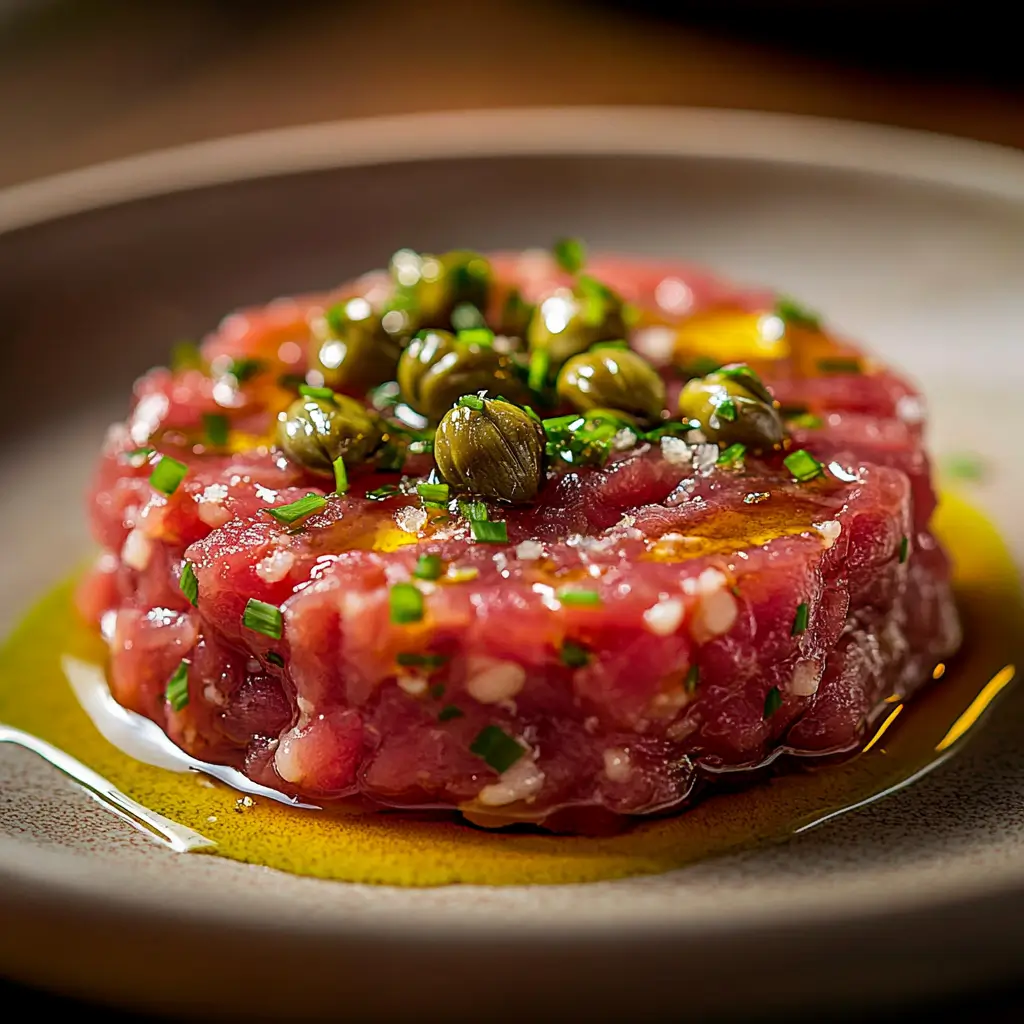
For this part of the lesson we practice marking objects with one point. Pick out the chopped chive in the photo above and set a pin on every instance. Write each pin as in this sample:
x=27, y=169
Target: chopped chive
x=433, y=492
x=405, y=603
x=476, y=336
x=217, y=429
x=803, y=465
x=800, y=619
x=437, y=691
x=428, y=567
x=792, y=313
x=466, y=317
x=692, y=679
x=839, y=365
x=186, y=355
x=574, y=655
x=806, y=421
x=579, y=597
x=617, y=345
x=410, y=659
x=570, y=254
x=474, y=511
x=263, y=618
x=497, y=748
x=674, y=428
x=275, y=659
x=487, y=532
x=590, y=286
x=291, y=381
x=177, y=688
x=382, y=493
x=964, y=466
x=531, y=412
x=340, y=476
x=471, y=402
x=462, y=574
x=732, y=455
x=540, y=363
x=298, y=510
x=727, y=410
x=385, y=395
x=446, y=714
x=307, y=391
x=167, y=475
x=904, y=549
x=772, y=702
x=189, y=584
x=245, y=369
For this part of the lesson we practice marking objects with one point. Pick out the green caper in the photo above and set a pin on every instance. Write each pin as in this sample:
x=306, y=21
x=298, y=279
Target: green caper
x=439, y=366
x=429, y=288
x=516, y=313
x=733, y=406
x=491, y=448
x=352, y=350
x=570, y=321
x=316, y=431
x=615, y=378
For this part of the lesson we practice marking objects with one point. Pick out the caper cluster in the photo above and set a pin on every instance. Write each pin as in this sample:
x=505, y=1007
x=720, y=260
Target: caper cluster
x=732, y=406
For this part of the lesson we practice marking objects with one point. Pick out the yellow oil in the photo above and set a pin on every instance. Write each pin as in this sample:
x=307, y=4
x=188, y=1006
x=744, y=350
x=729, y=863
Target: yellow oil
x=402, y=850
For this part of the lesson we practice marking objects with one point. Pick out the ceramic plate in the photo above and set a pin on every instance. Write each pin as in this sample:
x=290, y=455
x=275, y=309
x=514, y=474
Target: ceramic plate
x=913, y=243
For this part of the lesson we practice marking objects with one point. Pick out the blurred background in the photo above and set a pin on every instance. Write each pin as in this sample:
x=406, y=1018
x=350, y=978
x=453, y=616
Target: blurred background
x=89, y=80
x=83, y=81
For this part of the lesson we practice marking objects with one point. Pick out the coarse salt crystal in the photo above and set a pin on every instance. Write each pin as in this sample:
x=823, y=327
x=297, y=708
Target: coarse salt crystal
x=829, y=530
x=676, y=451
x=618, y=765
x=137, y=550
x=276, y=566
x=529, y=550
x=491, y=681
x=521, y=782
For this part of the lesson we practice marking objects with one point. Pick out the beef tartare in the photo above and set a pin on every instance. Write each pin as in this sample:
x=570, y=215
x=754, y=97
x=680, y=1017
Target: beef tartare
x=518, y=535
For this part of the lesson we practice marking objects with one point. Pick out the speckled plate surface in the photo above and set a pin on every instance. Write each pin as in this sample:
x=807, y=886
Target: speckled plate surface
x=913, y=243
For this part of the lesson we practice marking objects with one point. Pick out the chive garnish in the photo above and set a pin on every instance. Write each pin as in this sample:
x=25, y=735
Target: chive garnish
x=803, y=465
x=186, y=355
x=904, y=549
x=245, y=369
x=471, y=402
x=692, y=679
x=410, y=659
x=474, y=511
x=540, y=362
x=275, y=659
x=570, y=254
x=839, y=365
x=792, y=313
x=428, y=567
x=531, y=412
x=189, y=584
x=340, y=476
x=263, y=618
x=167, y=475
x=476, y=336
x=177, y=688
x=772, y=702
x=466, y=317
x=727, y=410
x=325, y=394
x=433, y=492
x=382, y=493
x=446, y=714
x=405, y=603
x=574, y=655
x=732, y=455
x=298, y=510
x=800, y=619
x=487, y=532
x=497, y=748
x=579, y=597
x=217, y=429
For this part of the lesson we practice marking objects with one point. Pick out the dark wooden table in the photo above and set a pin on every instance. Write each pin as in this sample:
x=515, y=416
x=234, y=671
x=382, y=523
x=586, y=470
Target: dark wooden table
x=93, y=80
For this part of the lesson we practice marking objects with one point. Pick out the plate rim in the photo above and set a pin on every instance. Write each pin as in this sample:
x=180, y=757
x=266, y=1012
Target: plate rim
x=693, y=133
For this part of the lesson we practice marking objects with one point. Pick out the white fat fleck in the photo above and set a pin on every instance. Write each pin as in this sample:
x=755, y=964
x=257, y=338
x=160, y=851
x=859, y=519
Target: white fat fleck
x=529, y=550
x=108, y=626
x=215, y=516
x=910, y=409
x=305, y=707
x=676, y=451
x=806, y=677
x=413, y=684
x=287, y=759
x=665, y=617
x=275, y=566
x=627, y=521
x=618, y=765
x=707, y=582
x=411, y=519
x=829, y=530
x=215, y=494
x=522, y=781
x=624, y=439
x=137, y=550
x=213, y=696
x=716, y=607
x=490, y=681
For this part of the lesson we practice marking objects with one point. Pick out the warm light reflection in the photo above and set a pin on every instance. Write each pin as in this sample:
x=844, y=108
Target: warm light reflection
x=893, y=715
x=939, y=670
x=977, y=707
